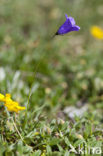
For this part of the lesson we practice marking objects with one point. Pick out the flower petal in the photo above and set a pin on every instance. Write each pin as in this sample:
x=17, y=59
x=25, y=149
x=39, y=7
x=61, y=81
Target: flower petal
x=66, y=16
x=64, y=28
x=2, y=97
x=72, y=20
x=75, y=28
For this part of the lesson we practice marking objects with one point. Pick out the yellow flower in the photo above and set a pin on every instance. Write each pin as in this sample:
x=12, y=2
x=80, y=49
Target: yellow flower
x=11, y=105
x=96, y=32
x=2, y=97
x=8, y=98
x=14, y=108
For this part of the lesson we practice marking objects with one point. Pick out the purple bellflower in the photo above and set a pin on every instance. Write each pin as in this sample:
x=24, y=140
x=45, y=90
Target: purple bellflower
x=68, y=26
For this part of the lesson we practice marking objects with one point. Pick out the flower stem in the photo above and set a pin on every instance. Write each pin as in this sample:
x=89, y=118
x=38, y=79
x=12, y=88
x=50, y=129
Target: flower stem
x=17, y=129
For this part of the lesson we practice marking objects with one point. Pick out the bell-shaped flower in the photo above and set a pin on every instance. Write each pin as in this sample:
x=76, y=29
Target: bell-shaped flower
x=68, y=26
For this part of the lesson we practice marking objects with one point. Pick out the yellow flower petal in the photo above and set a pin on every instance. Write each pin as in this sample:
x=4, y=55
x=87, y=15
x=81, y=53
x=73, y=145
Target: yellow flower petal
x=96, y=32
x=20, y=108
x=8, y=95
x=12, y=109
x=2, y=97
x=15, y=108
x=8, y=98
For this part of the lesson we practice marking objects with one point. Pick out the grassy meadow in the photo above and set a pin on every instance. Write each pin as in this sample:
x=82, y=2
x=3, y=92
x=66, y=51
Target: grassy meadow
x=58, y=80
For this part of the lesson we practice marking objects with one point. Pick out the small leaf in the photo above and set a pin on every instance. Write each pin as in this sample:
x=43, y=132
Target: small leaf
x=66, y=153
x=48, y=148
x=67, y=141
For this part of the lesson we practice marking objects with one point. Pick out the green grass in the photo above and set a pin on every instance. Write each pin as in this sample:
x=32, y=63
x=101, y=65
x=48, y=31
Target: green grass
x=63, y=72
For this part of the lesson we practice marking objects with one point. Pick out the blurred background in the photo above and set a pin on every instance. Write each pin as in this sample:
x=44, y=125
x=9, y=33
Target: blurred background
x=64, y=71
